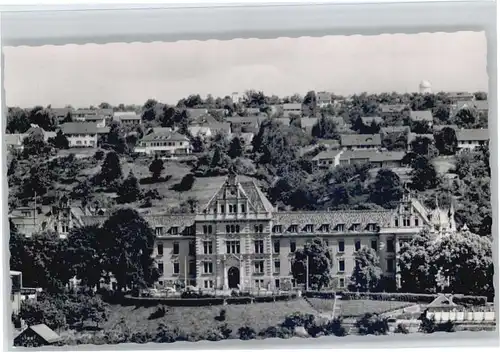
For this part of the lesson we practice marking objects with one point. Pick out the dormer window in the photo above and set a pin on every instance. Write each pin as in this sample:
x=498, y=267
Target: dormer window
x=309, y=228
x=340, y=228
x=356, y=227
x=222, y=209
x=396, y=222
x=293, y=228
x=277, y=229
x=325, y=228
x=372, y=227
x=406, y=221
x=231, y=208
x=174, y=230
x=159, y=230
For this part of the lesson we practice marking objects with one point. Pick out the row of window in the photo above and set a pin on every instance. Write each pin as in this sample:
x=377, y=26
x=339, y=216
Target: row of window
x=207, y=229
x=234, y=246
x=208, y=267
x=406, y=222
x=231, y=208
x=309, y=228
x=162, y=144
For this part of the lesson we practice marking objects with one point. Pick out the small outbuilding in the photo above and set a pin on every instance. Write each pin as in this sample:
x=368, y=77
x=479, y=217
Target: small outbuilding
x=37, y=335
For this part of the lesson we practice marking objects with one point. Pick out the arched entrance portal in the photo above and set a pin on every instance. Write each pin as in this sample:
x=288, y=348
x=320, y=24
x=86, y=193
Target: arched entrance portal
x=233, y=277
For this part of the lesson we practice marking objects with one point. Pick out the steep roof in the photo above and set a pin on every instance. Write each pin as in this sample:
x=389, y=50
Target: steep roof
x=124, y=116
x=324, y=96
x=440, y=127
x=79, y=128
x=348, y=218
x=413, y=136
x=168, y=136
x=348, y=140
x=394, y=129
x=388, y=108
x=472, y=134
x=196, y=113
x=45, y=333
x=292, y=106
x=424, y=115
x=327, y=154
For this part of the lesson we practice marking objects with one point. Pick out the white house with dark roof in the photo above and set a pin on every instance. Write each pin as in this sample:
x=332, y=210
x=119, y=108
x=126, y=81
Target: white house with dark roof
x=480, y=106
x=291, y=109
x=99, y=120
x=360, y=141
x=81, y=134
x=128, y=118
x=240, y=240
x=167, y=144
x=469, y=139
x=378, y=159
x=324, y=99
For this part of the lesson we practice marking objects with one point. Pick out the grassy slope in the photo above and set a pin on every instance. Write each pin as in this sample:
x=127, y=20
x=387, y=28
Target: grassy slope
x=199, y=319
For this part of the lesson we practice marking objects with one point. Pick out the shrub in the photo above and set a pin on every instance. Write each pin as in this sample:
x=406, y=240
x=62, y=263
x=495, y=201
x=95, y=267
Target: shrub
x=430, y=326
x=158, y=313
x=165, y=334
x=221, y=316
x=401, y=329
x=372, y=324
x=334, y=327
x=275, y=331
x=99, y=155
x=298, y=319
x=246, y=333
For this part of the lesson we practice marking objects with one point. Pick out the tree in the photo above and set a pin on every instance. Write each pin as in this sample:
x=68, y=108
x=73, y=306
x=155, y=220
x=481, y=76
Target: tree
x=39, y=180
x=42, y=312
x=316, y=259
x=34, y=145
x=17, y=120
x=198, y=144
x=129, y=191
x=235, y=148
x=423, y=174
x=465, y=118
x=387, y=189
x=60, y=141
x=367, y=273
x=111, y=170
x=416, y=269
x=116, y=138
x=156, y=168
x=465, y=261
x=86, y=255
x=310, y=104
x=325, y=128
x=446, y=141
x=128, y=243
x=424, y=146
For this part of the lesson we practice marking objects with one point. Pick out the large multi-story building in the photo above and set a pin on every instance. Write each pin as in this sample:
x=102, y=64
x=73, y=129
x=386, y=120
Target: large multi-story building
x=240, y=240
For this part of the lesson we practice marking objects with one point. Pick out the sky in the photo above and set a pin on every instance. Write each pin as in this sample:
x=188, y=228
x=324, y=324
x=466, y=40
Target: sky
x=83, y=75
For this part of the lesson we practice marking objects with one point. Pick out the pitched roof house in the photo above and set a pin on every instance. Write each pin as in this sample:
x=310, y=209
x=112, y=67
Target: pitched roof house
x=422, y=116
x=368, y=120
x=36, y=336
x=168, y=144
x=360, y=141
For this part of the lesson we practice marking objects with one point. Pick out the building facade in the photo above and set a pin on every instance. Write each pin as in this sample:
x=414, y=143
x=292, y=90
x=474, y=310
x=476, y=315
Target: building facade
x=167, y=144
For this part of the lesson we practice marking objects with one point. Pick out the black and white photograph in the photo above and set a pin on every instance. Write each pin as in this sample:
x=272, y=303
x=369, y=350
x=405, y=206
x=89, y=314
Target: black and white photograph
x=247, y=189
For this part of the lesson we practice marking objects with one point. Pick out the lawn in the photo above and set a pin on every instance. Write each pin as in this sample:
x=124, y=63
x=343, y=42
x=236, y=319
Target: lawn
x=353, y=308
x=201, y=319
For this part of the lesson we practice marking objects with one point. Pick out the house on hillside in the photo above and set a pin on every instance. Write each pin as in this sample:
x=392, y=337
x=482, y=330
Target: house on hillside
x=129, y=119
x=196, y=114
x=59, y=218
x=200, y=131
x=327, y=159
x=392, y=110
x=249, y=124
x=164, y=144
x=324, y=99
x=424, y=116
x=252, y=112
x=292, y=109
x=61, y=113
x=35, y=129
x=307, y=124
x=378, y=159
x=360, y=141
x=79, y=114
x=469, y=139
x=37, y=336
x=283, y=120
x=481, y=106
x=394, y=129
x=99, y=120
x=455, y=97
x=437, y=128
x=81, y=134
x=14, y=140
